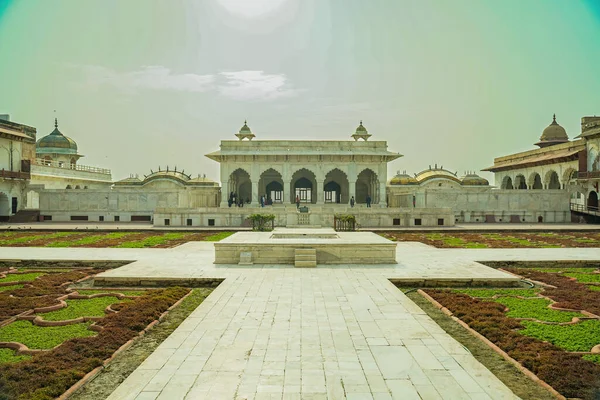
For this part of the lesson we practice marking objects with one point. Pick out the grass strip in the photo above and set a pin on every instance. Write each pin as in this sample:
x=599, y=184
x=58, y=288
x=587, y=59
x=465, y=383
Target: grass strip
x=577, y=337
x=218, y=236
x=88, y=240
x=81, y=308
x=25, y=239
x=535, y=308
x=584, y=278
x=38, y=337
x=125, y=363
x=21, y=277
x=153, y=241
x=501, y=292
x=9, y=356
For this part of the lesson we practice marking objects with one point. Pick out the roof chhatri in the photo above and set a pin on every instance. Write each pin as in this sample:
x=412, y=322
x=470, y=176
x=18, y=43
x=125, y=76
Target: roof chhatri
x=553, y=134
x=56, y=142
x=361, y=133
x=245, y=132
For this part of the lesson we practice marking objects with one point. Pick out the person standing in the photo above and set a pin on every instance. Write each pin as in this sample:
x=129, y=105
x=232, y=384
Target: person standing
x=262, y=201
x=368, y=201
x=297, y=201
x=352, y=202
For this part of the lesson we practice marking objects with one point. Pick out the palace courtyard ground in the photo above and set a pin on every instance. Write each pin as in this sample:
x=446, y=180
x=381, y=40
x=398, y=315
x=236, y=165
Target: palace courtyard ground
x=331, y=332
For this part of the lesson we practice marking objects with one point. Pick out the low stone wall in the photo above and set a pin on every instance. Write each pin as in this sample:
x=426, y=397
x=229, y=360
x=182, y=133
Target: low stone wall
x=317, y=216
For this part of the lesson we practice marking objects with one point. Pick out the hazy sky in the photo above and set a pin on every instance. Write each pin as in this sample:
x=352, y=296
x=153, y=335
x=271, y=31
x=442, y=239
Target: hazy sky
x=143, y=83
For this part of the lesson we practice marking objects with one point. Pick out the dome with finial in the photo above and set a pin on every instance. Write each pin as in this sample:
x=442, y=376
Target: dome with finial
x=361, y=132
x=245, y=132
x=553, y=134
x=472, y=179
x=402, y=178
x=56, y=142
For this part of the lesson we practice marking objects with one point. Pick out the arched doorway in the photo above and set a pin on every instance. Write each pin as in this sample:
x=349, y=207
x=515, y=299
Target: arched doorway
x=4, y=207
x=303, y=186
x=536, y=182
x=240, y=185
x=271, y=186
x=333, y=192
x=336, y=187
x=592, y=203
x=507, y=183
x=520, y=182
x=553, y=182
x=366, y=185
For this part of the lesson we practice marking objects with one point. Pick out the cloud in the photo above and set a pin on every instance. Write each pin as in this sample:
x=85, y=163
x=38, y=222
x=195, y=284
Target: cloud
x=148, y=77
x=239, y=85
x=255, y=85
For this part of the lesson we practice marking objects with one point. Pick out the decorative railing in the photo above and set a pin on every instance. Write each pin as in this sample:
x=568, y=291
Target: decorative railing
x=14, y=174
x=588, y=175
x=76, y=167
x=344, y=223
x=592, y=210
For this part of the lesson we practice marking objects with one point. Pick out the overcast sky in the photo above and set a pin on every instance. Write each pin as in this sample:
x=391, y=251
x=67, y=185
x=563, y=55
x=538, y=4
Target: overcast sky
x=142, y=83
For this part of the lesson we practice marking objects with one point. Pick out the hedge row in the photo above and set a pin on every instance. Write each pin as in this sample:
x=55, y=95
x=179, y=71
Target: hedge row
x=567, y=294
x=47, y=375
x=567, y=373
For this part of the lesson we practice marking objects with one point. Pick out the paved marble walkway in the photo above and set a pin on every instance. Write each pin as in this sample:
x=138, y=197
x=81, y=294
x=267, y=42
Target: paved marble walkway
x=334, y=332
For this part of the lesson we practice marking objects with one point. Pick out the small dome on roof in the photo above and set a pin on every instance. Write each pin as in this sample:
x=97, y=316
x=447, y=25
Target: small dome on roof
x=56, y=142
x=436, y=173
x=403, y=179
x=361, y=133
x=472, y=179
x=553, y=134
x=245, y=132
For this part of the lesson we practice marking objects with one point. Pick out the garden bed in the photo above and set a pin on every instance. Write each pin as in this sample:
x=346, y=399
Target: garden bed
x=122, y=239
x=553, y=333
x=510, y=239
x=52, y=335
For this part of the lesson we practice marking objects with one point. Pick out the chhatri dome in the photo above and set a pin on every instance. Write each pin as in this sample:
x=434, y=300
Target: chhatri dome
x=361, y=133
x=56, y=143
x=553, y=134
x=245, y=132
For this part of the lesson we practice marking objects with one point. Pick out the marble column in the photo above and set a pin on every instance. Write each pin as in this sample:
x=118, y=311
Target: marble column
x=352, y=191
x=320, y=192
x=255, y=202
x=286, y=191
x=382, y=194
x=225, y=190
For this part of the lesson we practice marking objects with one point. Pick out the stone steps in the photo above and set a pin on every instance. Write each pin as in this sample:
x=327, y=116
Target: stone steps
x=305, y=258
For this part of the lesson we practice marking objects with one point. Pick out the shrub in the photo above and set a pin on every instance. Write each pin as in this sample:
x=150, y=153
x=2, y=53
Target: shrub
x=260, y=222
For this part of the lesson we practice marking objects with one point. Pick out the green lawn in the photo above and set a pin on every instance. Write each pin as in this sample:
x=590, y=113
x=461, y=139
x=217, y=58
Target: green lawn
x=21, y=277
x=218, y=236
x=89, y=239
x=535, y=308
x=29, y=238
x=584, y=278
x=9, y=356
x=11, y=287
x=37, y=337
x=153, y=240
x=578, y=337
x=593, y=358
x=81, y=308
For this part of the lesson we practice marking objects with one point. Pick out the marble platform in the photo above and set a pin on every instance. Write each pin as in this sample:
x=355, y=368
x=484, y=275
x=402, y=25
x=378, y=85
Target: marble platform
x=278, y=247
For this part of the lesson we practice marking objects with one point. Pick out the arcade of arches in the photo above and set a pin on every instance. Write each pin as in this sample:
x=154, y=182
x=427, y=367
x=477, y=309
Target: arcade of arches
x=304, y=185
